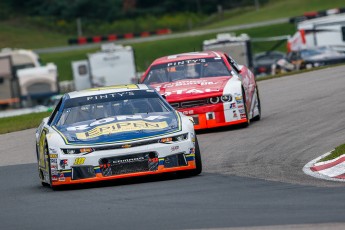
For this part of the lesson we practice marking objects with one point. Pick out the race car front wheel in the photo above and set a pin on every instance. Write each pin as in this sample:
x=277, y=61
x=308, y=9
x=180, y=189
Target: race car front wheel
x=46, y=153
x=246, y=124
x=198, y=163
x=257, y=117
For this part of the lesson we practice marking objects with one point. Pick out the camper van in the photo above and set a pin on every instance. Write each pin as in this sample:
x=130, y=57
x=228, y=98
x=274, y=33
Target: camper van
x=113, y=65
x=318, y=32
x=238, y=47
x=23, y=80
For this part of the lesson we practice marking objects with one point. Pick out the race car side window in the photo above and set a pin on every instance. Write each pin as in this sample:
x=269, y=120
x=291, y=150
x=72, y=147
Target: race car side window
x=57, y=107
x=233, y=64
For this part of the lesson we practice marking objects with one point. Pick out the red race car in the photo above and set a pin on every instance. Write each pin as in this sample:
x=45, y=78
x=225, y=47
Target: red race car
x=208, y=86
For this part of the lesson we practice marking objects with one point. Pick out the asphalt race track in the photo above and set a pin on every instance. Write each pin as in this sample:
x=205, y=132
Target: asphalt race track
x=252, y=176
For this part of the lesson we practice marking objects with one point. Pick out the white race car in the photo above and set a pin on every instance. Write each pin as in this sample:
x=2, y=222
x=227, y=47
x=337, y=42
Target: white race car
x=114, y=132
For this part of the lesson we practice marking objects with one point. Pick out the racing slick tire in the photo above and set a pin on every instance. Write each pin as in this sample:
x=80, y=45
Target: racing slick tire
x=258, y=117
x=40, y=173
x=46, y=152
x=198, y=163
x=245, y=124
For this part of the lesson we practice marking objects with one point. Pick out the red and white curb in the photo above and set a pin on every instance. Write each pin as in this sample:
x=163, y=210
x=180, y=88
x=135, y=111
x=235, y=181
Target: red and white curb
x=333, y=170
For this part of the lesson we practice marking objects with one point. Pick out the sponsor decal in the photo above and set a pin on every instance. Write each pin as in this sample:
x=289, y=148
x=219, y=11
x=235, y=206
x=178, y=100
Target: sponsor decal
x=117, y=118
x=53, y=156
x=54, y=178
x=186, y=62
x=234, y=114
x=128, y=160
x=189, y=112
x=79, y=161
x=63, y=163
x=187, y=83
x=243, y=116
x=52, y=150
x=239, y=101
x=54, y=172
x=241, y=111
x=190, y=91
x=238, y=97
x=174, y=148
x=54, y=161
x=240, y=106
x=232, y=105
x=62, y=177
x=126, y=146
x=109, y=95
x=118, y=127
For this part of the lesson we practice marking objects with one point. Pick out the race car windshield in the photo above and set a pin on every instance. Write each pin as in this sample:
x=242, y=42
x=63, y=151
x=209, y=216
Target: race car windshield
x=187, y=69
x=110, y=105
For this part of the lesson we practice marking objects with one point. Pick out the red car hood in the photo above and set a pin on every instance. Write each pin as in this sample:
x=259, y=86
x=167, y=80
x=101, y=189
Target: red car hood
x=192, y=89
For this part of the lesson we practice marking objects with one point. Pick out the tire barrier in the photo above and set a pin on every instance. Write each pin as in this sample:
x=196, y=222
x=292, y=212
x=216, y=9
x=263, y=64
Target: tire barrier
x=114, y=37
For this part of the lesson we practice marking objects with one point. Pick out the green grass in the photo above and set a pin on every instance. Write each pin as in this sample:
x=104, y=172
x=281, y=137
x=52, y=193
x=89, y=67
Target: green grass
x=16, y=34
x=21, y=34
x=63, y=61
x=275, y=9
x=338, y=151
x=17, y=123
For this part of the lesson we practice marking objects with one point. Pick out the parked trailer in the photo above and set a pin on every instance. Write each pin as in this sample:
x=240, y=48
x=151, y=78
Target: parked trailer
x=113, y=65
x=9, y=91
x=23, y=79
x=323, y=31
x=238, y=47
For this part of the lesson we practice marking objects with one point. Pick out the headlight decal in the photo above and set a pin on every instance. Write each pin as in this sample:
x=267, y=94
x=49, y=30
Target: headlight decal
x=221, y=99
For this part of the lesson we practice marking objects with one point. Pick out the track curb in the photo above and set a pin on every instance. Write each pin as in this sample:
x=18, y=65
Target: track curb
x=307, y=169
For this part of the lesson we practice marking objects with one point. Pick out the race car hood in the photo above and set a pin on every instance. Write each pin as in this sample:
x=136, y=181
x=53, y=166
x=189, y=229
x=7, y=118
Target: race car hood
x=182, y=89
x=120, y=129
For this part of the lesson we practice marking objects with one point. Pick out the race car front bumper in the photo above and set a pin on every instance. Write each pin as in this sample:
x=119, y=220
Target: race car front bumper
x=212, y=116
x=123, y=163
x=210, y=120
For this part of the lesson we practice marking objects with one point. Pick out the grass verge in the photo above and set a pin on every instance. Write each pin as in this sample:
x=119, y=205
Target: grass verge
x=338, y=151
x=17, y=123
x=273, y=10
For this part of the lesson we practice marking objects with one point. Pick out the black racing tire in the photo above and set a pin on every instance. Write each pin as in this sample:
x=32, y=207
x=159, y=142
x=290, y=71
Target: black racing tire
x=46, y=152
x=258, y=117
x=198, y=163
x=245, y=124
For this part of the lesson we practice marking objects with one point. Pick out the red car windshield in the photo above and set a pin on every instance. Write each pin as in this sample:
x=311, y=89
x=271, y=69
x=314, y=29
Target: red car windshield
x=187, y=69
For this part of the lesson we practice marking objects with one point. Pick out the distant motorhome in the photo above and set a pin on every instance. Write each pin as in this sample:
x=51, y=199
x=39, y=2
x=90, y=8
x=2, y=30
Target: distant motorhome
x=323, y=31
x=23, y=80
x=113, y=65
x=238, y=47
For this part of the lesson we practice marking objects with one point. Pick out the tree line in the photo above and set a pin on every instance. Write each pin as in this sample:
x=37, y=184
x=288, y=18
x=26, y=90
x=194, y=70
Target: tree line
x=110, y=10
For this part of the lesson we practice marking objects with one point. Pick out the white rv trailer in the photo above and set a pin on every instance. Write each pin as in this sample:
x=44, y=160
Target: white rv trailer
x=23, y=79
x=238, y=47
x=113, y=65
x=322, y=31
